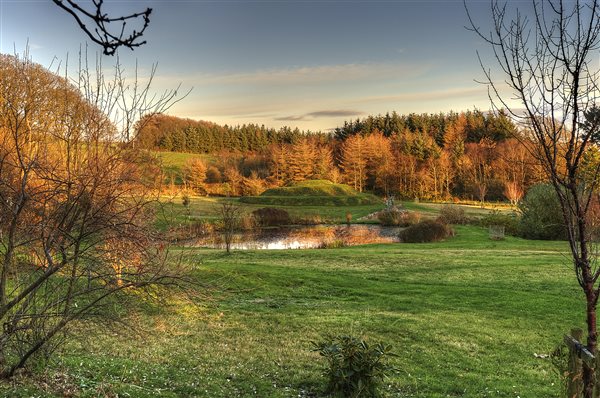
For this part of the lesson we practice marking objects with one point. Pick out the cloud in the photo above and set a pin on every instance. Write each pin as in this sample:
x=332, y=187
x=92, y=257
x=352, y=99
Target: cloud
x=307, y=74
x=320, y=114
x=334, y=113
x=460, y=92
x=291, y=118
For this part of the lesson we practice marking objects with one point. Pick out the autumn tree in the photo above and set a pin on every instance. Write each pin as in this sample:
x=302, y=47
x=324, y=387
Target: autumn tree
x=323, y=167
x=479, y=157
x=194, y=172
x=253, y=185
x=74, y=207
x=354, y=161
x=380, y=162
x=513, y=166
x=302, y=160
x=279, y=163
x=234, y=178
x=548, y=59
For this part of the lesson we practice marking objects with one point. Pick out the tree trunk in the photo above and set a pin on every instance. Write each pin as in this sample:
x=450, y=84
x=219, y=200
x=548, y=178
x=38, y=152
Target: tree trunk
x=589, y=377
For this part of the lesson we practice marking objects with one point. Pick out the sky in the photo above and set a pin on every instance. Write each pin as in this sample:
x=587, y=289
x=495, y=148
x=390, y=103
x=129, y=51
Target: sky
x=310, y=64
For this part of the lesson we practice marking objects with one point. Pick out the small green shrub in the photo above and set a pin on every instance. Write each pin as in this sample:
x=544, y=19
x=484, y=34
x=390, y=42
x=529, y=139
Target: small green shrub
x=355, y=368
x=541, y=214
x=426, y=231
x=510, y=221
x=269, y=217
x=453, y=214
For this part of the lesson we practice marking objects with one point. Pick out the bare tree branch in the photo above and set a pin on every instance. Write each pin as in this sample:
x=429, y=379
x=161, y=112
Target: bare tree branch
x=97, y=25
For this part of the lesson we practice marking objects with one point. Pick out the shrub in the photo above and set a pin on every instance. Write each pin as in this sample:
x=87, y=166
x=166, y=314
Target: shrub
x=355, y=368
x=426, y=231
x=334, y=244
x=541, y=214
x=396, y=217
x=390, y=216
x=185, y=201
x=201, y=228
x=452, y=214
x=410, y=218
x=510, y=221
x=269, y=216
x=312, y=219
x=213, y=175
x=247, y=222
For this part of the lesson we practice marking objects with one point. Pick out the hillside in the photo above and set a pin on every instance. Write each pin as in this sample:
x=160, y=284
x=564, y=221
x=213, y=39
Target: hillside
x=313, y=192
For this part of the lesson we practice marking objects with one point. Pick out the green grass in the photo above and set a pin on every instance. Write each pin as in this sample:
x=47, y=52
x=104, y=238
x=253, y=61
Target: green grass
x=172, y=163
x=311, y=193
x=471, y=210
x=312, y=188
x=465, y=318
x=172, y=211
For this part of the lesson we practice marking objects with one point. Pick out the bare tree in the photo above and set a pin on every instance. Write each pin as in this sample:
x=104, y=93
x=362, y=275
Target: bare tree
x=230, y=219
x=548, y=58
x=111, y=32
x=74, y=207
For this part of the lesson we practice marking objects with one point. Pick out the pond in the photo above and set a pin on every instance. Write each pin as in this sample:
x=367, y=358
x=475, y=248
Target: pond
x=305, y=237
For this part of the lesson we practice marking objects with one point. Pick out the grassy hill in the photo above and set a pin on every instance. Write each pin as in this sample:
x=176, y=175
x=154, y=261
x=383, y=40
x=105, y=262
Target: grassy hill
x=314, y=192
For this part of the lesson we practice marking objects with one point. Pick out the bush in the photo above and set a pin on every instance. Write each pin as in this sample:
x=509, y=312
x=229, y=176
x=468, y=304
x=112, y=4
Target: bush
x=247, y=222
x=312, y=219
x=355, y=369
x=426, y=231
x=185, y=201
x=396, y=217
x=410, y=218
x=510, y=221
x=269, y=216
x=452, y=214
x=541, y=214
x=390, y=216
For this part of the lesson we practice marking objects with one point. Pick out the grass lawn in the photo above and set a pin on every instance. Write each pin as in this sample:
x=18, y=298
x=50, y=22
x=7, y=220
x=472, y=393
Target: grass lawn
x=465, y=318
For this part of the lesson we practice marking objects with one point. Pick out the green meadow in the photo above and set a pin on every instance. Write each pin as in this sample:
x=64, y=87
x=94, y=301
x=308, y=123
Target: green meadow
x=466, y=318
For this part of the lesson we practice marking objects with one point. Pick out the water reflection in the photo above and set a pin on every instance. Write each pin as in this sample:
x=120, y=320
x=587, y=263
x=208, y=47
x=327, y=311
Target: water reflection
x=305, y=237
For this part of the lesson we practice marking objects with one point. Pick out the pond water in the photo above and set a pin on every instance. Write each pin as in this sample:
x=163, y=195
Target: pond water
x=305, y=237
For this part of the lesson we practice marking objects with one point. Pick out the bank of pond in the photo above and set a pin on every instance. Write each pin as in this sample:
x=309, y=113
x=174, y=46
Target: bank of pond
x=303, y=237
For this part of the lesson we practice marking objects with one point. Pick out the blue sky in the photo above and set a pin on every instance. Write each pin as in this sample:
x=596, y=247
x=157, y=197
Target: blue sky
x=311, y=64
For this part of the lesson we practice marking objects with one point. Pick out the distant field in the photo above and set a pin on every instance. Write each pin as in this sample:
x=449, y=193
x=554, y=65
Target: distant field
x=465, y=317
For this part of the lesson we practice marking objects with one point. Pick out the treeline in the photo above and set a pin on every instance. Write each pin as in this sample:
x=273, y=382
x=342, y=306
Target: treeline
x=169, y=133
x=476, y=125
x=467, y=155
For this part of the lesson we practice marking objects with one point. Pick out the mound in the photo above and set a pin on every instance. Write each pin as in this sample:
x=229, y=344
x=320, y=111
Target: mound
x=313, y=193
